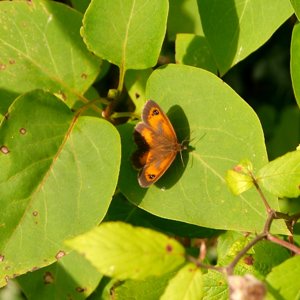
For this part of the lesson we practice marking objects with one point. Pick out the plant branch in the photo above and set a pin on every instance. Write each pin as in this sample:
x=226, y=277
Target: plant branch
x=265, y=234
x=283, y=243
x=231, y=266
x=264, y=199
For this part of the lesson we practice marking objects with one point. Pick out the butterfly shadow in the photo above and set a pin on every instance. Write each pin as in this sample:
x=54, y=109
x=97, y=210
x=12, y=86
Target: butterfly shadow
x=181, y=126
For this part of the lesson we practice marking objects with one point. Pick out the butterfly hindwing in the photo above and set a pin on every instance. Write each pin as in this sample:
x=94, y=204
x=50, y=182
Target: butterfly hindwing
x=155, y=167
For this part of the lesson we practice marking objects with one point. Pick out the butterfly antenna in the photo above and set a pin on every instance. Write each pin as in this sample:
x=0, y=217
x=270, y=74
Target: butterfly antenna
x=181, y=157
x=201, y=137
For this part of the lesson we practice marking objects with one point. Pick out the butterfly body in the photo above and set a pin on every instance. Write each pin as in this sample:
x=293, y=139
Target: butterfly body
x=157, y=144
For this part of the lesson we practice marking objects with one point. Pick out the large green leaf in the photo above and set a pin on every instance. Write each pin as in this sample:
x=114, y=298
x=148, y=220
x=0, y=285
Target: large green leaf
x=135, y=83
x=295, y=61
x=148, y=289
x=122, y=251
x=296, y=5
x=128, y=33
x=281, y=177
x=285, y=132
x=193, y=50
x=283, y=280
x=201, y=106
x=121, y=209
x=71, y=277
x=236, y=28
x=58, y=174
x=41, y=47
x=183, y=18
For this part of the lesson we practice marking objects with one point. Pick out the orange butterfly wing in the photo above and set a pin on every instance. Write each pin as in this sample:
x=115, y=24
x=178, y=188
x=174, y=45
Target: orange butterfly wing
x=157, y=144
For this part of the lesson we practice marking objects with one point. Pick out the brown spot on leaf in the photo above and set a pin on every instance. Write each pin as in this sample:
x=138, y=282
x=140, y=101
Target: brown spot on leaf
x=6, y=278
x=35, y=213
x=48, y=278
x=6, y=267
x=1, y=258
x=137, y=95
x=6, y=116
x=237, y=168
x=22, y=130
x=84, y=76
x=60, y=254
x=34, y=269
x=2, y=67
x=12, y=61
x=80, y=289
x=169, y=248
x=4, y=149
x=249, y=260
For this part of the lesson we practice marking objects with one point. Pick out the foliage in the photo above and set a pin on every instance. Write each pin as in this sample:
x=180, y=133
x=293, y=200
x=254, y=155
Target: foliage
x=74, y=222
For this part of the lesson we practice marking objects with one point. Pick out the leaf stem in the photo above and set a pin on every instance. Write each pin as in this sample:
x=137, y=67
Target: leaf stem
x=121, y=78
x=83, y=108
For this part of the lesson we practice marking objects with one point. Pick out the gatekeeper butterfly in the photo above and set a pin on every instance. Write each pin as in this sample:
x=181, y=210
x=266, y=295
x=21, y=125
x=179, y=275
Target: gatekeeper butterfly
x=157, y=144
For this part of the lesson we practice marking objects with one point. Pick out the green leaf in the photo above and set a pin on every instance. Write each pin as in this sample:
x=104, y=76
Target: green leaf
x=128, y=33
x=121, y=209
x=215, y=286
x=267, y=255
x=281, y=177
x=185, y=285
x=58, y=174
x=285, y=132
x=295, y=61
x=229, y=244
x=121, y=251
x=80, y=5
x=283, y=280
x=71, y=277
x=135, y=83
x=239, y=179
x=183, y=17
x=296, y=5
x=194, y=50
x=148, y=289
x=41, y=47
x=235, y=29
x=201, y=106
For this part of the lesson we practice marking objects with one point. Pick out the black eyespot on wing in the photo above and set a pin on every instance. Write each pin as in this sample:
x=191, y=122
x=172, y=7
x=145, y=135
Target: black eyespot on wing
x=155, y=112
x=151, y=176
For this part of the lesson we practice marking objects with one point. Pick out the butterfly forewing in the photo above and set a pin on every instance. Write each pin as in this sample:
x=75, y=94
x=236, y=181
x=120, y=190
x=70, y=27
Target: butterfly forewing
x=154, y=116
